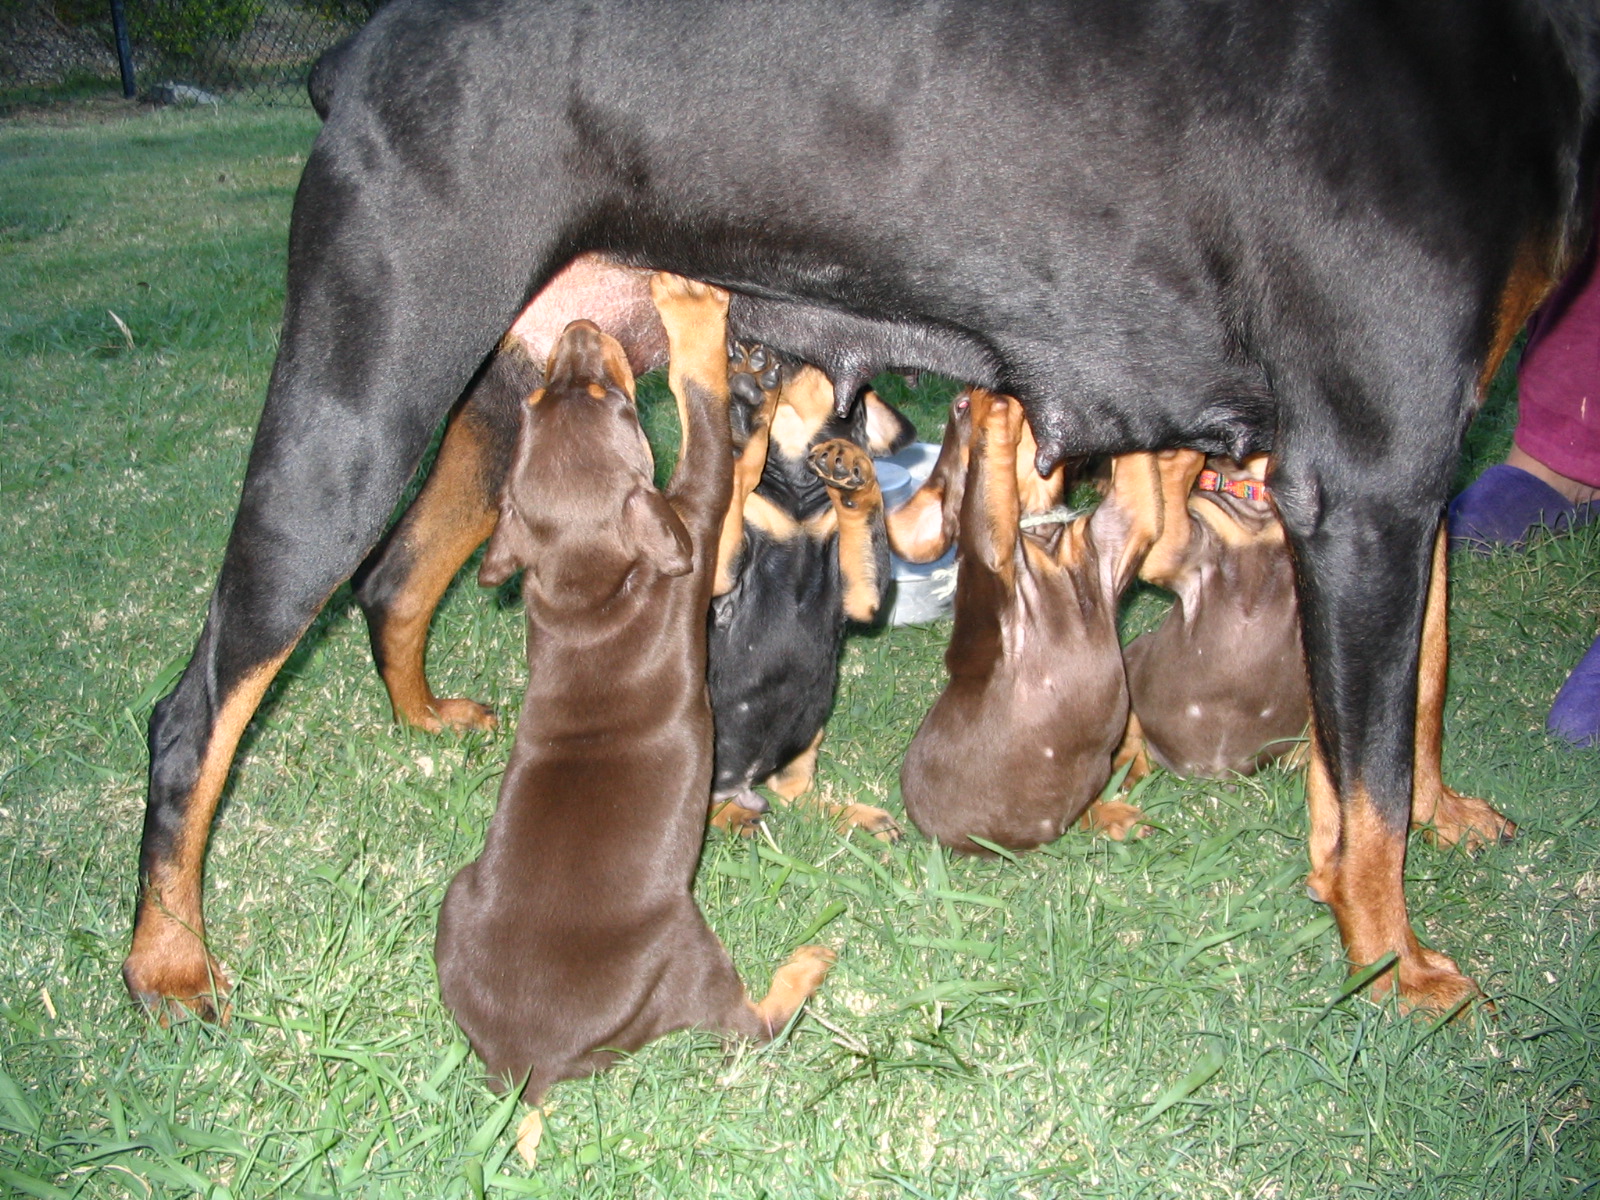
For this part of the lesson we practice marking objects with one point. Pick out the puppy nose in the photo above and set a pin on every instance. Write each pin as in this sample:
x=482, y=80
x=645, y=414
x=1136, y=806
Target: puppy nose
x=576, y=356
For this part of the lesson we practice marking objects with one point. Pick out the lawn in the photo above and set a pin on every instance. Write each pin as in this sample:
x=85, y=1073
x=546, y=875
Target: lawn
x=1164, y=1018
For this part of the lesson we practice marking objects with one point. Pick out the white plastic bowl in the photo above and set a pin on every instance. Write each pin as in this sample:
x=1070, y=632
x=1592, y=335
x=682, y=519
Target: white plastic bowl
x=922, y=592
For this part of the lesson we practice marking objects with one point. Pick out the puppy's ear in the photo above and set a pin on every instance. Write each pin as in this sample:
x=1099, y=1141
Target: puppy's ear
x=887, y=430
x=510, y=549
x=657, y=533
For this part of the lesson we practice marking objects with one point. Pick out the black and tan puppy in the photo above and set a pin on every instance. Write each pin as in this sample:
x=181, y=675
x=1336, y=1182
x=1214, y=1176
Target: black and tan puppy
x=574, y=934
x=1020, y=743
x=812, y=554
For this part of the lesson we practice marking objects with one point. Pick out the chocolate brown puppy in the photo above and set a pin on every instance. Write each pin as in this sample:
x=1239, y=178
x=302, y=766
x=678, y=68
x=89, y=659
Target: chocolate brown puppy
x=1220, y=686
x=574, y=934
x=1021, y=741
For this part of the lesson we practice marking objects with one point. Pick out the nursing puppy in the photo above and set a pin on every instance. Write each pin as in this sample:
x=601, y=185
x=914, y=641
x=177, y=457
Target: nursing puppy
x=1020, y=743
x=1219, y=688
x=809, y=554
x=574, y=934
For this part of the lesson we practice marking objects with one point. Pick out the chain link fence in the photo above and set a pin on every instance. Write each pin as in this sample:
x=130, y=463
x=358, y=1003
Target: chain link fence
x=266, y=60
x=257, y=50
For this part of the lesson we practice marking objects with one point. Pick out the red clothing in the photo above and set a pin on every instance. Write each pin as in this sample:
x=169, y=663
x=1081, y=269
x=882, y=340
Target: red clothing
x=1558, y=381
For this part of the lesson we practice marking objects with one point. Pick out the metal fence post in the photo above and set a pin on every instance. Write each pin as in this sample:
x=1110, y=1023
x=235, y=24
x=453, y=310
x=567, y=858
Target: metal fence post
x=119, y=23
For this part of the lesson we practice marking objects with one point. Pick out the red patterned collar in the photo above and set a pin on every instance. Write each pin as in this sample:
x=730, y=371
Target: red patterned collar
x=1242, y=489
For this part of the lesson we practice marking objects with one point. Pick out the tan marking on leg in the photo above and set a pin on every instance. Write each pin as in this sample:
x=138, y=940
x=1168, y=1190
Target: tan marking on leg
x=1036, y=493
x=698, y=345
x=917, y=529
x=1133, y=752
x=1444, y=815
x=1139, y=483
x=1322, y=804
x=990, y=527
x=1367, y=895
x=732, y=817
x=451, y=517
x=858, y=512
x=1176, y=471
x=922, y=528
x=169, y=963
x=746, y=475
x=792, y=985
x=794, y=779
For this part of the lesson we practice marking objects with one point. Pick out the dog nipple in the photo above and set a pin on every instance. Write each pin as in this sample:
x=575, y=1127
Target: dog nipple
x=1194, y=711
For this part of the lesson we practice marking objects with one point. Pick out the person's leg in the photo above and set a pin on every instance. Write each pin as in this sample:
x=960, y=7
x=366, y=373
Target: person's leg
x=1552, y=474
x=1551, y=477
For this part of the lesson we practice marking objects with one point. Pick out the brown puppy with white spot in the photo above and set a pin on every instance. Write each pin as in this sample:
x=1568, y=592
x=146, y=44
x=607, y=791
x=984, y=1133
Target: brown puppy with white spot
x=575, y=934
x=1220, y=687
x=1021, y=741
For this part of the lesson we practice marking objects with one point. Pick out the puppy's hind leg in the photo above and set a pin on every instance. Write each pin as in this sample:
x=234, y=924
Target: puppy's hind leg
x=794, y=779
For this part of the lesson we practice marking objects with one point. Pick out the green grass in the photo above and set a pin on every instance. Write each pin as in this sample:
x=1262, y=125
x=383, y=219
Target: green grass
x=1159, y=1019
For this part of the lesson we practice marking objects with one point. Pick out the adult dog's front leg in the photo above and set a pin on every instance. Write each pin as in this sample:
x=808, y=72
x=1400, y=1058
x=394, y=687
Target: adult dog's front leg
x=1363, y=576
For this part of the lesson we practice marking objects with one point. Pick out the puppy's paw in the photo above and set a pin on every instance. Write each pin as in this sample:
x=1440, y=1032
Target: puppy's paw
x=681, y=301
x=1114, y=819
x=1467, y=821
x=460, y=713
x=843, y=465
x=755, y=373
x=806, y=969
x=864, y=816
x=733, y=817
x=1431, y=984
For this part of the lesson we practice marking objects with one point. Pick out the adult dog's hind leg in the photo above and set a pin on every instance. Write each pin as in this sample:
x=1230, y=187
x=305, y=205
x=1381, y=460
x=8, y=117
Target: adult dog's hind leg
x=1443, y=814
x=383, y=328
x=403, y=581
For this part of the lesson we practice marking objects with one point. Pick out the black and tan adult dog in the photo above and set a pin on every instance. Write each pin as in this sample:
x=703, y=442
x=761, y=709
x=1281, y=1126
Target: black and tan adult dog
x=1309, y=227
x=575, y=934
